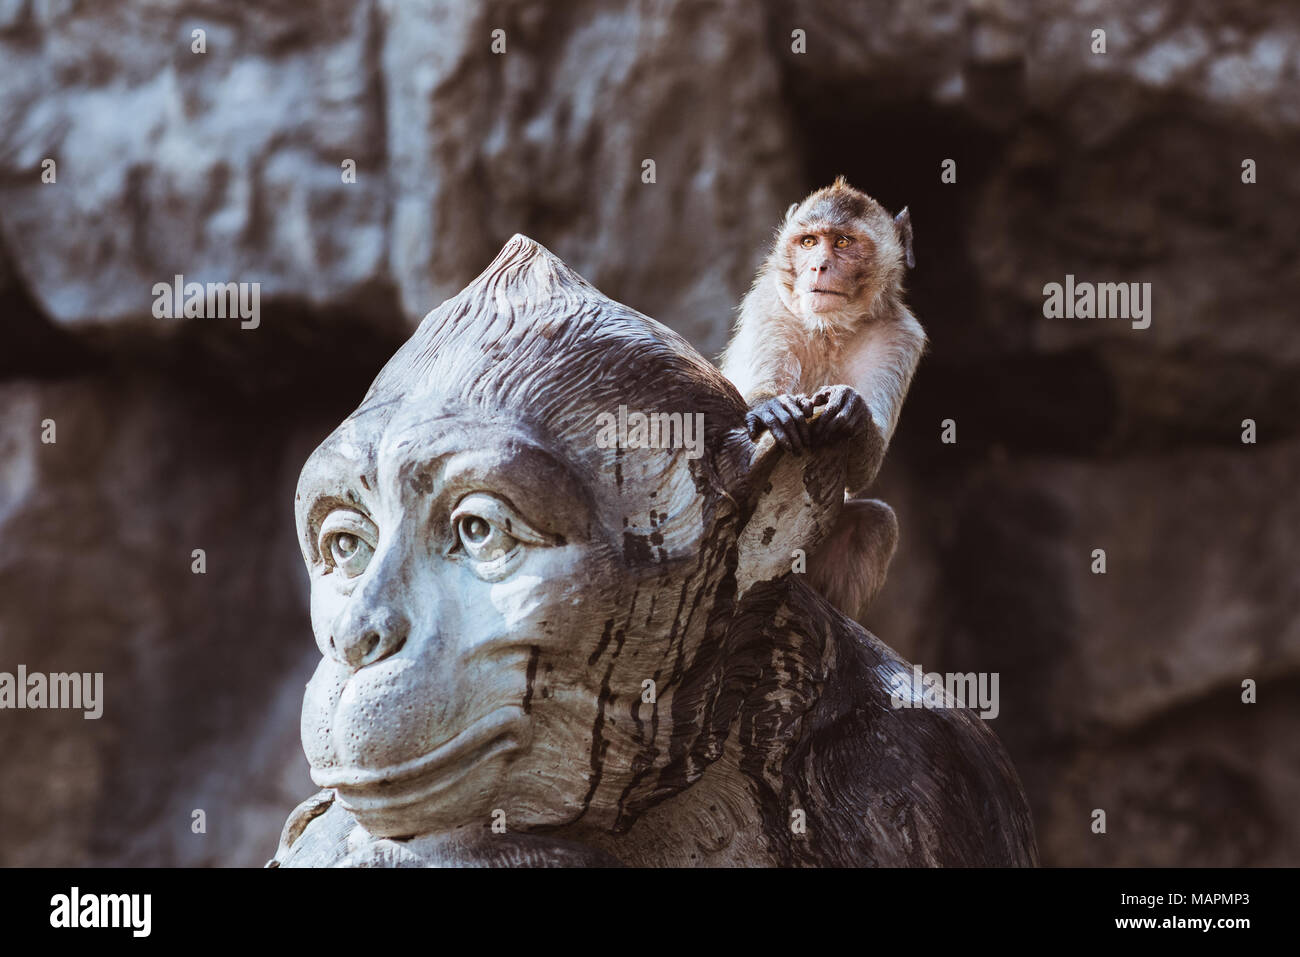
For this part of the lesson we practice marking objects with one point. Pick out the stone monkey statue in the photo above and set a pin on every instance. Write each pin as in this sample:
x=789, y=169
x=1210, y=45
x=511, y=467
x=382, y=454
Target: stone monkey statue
x=538, y=648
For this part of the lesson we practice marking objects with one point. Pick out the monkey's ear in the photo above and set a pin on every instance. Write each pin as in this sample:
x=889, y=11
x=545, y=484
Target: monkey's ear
x=903, y=226
x=790, y=212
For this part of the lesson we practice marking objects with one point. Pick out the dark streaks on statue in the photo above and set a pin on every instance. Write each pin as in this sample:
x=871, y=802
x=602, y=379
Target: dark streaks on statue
x=602, y=644
x=533, y=655
x=598, y=743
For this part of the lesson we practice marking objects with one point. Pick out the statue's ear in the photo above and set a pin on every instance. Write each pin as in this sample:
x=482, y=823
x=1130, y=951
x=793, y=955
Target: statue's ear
x=792, y=503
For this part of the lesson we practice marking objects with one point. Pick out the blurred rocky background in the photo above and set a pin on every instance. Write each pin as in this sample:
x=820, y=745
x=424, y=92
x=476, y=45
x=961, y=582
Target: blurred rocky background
x=1119, y=691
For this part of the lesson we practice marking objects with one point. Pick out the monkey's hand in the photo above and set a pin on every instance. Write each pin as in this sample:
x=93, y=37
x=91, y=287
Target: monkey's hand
x=845, y=414
x=787, y=418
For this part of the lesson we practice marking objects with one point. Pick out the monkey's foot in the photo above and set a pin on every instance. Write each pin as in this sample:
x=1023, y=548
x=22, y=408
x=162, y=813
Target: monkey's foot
x=850, y=567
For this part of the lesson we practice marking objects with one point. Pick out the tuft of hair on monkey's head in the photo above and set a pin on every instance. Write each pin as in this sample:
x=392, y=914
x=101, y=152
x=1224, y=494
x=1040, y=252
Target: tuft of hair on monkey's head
x=838, y=251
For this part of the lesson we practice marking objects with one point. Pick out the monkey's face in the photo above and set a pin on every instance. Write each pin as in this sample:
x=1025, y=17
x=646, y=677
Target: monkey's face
x=485, y=642
x=832, y=266
x=838, y=251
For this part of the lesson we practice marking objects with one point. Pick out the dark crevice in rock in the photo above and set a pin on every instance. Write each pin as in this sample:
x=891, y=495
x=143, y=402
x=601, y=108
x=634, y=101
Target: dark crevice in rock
x=296, y=359
x=1117, y=391
x=1023, y=404
x=34, y=347
x=295, y=350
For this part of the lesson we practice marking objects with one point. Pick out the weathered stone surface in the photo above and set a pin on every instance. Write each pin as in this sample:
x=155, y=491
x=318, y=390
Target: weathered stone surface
x=1209, y=767
x=226, y=165
x=222, y=165
x=1199, y=590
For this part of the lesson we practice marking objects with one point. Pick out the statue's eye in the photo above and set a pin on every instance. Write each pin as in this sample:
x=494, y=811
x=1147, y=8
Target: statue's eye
x=483, y=541
x=489, y=532
x=475, y=530
x=842, y=242
x=347, y=541
x=808, y=242
x=344, y=546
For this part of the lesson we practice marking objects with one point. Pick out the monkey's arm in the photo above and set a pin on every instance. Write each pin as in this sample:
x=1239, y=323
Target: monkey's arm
x=881, y=368
x=763, y=363
x=762, y=360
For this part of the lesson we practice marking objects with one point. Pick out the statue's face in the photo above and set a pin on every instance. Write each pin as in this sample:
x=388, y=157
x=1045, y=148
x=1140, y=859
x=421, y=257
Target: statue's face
x=479, y=623
x=513, y=614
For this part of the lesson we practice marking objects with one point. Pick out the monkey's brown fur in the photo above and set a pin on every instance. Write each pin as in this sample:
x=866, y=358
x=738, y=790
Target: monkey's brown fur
x=826, y=310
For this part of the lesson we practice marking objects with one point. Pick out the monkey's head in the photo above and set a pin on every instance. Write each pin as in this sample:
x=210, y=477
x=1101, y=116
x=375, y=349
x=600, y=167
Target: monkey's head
x=513, y=613
x=837, y=253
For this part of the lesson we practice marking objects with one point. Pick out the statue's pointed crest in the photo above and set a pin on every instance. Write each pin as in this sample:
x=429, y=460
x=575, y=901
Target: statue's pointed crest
x=529, y=323
x=527, y=308
x=526, y=272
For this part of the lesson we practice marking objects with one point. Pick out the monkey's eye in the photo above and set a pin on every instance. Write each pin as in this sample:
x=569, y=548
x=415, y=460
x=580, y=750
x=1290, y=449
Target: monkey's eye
x=347, y=542
x=842, y=242
x=489, y=533
x=808, y=242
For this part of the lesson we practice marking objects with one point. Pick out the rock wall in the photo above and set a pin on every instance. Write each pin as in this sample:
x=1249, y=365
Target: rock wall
x=1119, y=691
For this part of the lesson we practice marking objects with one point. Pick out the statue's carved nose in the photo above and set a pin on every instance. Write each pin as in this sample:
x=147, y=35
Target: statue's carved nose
x=364, y=637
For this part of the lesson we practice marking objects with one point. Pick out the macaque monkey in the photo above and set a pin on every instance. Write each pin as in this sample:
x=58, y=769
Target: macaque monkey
x=824, y=350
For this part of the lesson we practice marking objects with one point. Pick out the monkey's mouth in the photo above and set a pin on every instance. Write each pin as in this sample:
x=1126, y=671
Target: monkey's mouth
x=829, y=292
x=430, y=774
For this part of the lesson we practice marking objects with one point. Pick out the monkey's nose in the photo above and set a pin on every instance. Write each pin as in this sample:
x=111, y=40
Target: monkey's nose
x=362, y=639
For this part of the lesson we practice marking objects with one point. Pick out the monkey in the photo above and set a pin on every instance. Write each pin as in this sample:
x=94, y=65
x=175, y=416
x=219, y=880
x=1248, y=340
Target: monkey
x=824, y=349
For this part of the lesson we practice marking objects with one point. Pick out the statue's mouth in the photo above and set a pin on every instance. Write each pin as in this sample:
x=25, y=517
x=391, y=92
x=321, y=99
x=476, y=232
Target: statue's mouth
x=435, y=771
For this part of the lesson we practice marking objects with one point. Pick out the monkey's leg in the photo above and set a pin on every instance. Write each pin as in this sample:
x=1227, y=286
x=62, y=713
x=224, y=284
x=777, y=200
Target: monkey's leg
x=850, y=566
